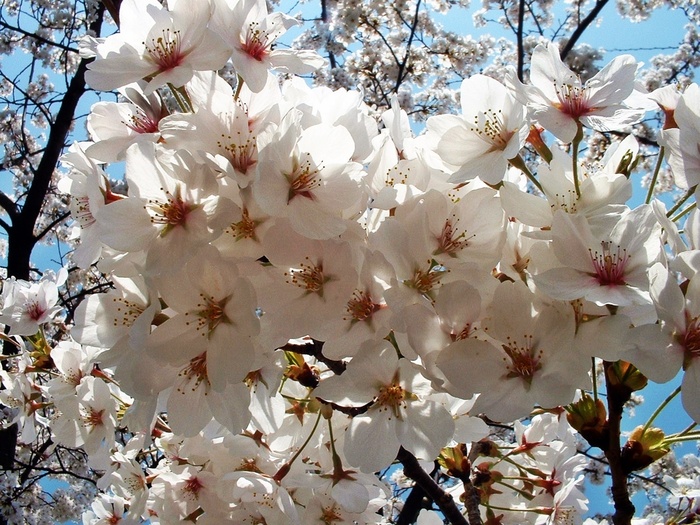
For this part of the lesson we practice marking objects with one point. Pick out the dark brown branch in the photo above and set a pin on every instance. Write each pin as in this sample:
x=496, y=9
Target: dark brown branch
x=112, y=7
x=37, y=37
x=52, y=225
x=36, y=458
x=442, y=499
x=315, y=349
x=618, y=395
x=402, y=66
x=581, y=28
x=21, y=238
x=8, y=205
x=519, y=39
x=416, y=501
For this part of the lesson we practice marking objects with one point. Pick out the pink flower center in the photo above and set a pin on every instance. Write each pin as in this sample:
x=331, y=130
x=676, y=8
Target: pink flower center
x=245, y=228
x=210, y=314
x=303, y=179
x=192, y=487
x=450, y=240
x=257, y=43
x=524, y=359
x=35, y=311
x=308, y=276
x=93, y=418
x=196, y=371
x=171, y=213
x=391, y=397
x=165, y=50
x=241, y=153
x=490, y=127
x=609, y=266
x=572, y=101
x=142, y=123
x=691, y=339
x=423, y=281
x=361, y=307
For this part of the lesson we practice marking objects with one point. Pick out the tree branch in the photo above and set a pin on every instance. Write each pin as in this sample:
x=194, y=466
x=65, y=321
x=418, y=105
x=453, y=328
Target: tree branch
x=442, y=499
x=37, y=37
x=618, y=395
x=519, y=38
x=599, y=5
x=402, y=66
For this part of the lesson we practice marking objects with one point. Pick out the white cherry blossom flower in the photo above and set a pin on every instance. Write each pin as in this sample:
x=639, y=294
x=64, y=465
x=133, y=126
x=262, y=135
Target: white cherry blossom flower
x=251, y=33
x=26, y=306
x=522, y=363
x=114, y=126
x=609, y=269
x=400, y=414
x=683, y=142
x=661, y=350
x=211, y=334
x=306, y=176
x=159, y=45
x=490, y=131
x=560, y=101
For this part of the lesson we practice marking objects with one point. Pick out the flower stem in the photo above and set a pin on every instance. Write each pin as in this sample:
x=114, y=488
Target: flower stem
x=658, y=410
x=519, y=163
x=680, y=202
x=617, y=397
x=575, y=144
x=284, y=469
x=181, y=102
x=595, y=380
x=239, y=86
x=684, y=212
x=655, y=176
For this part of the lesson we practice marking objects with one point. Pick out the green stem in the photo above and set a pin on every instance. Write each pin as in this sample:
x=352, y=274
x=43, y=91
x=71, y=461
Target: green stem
x=659, y=409
x=575, y=144
x=284, y=469
x=337, y=463
x=681, y=201
x=684, y=212
x=686, y=430
x=655, y=176
x=595, y=379
x=239, y=86
x=178, y=98
x=693, y=437
x=519, y=163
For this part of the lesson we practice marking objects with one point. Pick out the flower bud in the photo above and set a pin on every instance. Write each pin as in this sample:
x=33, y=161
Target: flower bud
x=643, y=448
x=588, y=416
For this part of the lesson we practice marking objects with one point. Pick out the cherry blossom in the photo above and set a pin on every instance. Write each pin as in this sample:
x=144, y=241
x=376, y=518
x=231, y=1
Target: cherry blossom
x=400, y=413
x=561, y=102
x=251, y=32
x=159, y=45
x=607, y=270
x=490, y=131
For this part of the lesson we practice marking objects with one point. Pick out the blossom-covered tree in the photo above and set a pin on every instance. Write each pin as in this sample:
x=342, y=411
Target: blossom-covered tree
x=284, y=298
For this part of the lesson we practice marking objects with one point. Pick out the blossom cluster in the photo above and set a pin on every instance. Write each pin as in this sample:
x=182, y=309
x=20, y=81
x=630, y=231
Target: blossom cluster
x=301, y=290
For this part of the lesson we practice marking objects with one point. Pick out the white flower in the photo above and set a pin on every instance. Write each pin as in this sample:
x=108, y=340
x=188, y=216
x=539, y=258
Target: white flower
x=604, y=269
x=251, y=33
x=684, y=142
x=27, y=306
x=490, y=132
x=524, y=362
x=159, y=45
x=561, y=101
x=400, y=413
